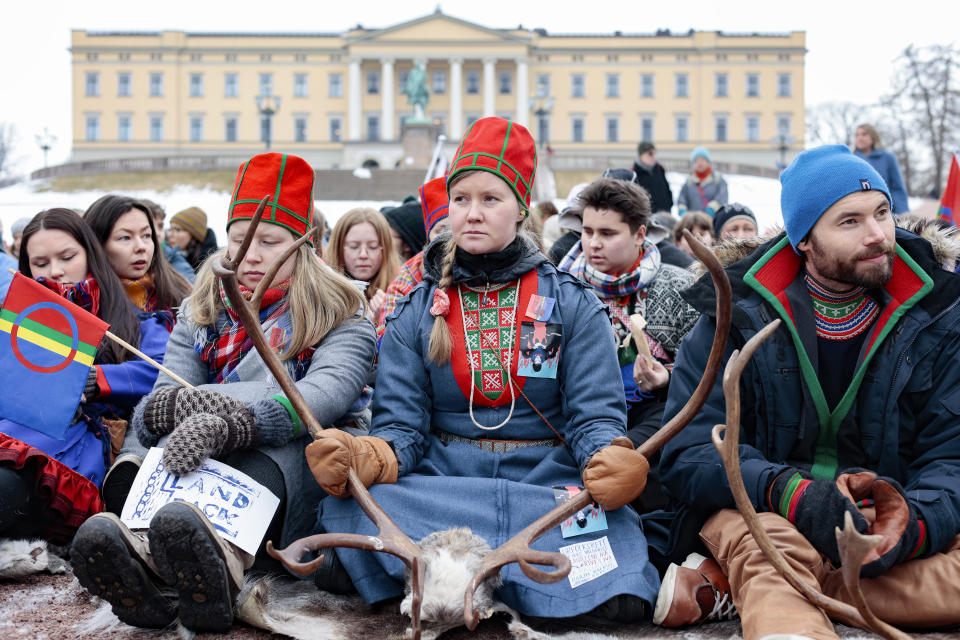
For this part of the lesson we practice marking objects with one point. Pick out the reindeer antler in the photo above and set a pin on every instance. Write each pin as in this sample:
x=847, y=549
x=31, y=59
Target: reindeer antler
x=853, y=546
x=390, y=538
x=517, y=549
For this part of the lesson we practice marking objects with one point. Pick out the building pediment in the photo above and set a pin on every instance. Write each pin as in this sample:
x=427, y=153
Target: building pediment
x=437, y=27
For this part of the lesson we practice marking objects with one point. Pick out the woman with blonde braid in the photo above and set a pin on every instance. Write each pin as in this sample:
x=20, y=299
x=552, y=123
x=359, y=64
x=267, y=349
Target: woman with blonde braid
x=493, y=334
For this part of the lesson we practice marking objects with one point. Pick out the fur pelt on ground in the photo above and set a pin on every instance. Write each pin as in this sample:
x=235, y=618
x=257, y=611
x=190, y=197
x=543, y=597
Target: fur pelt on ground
x=21, y=558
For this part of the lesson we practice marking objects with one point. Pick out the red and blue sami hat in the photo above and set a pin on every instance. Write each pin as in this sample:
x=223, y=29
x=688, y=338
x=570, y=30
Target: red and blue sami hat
x=288, y=180
x=434, y=202
x=502, y=147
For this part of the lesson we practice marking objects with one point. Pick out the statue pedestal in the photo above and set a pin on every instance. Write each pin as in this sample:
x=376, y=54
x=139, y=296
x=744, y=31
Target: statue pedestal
x=419, y=140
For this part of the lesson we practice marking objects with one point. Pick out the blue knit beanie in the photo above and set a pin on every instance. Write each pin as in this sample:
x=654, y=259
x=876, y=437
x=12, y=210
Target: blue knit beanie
x=699, y=152
x=816, y=179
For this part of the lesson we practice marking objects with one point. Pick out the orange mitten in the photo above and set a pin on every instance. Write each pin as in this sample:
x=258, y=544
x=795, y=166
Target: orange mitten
x=331, y=457
x=616, y=475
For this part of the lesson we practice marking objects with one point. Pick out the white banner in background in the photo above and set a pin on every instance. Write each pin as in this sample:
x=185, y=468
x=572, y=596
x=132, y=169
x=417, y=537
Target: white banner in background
x=238, y=507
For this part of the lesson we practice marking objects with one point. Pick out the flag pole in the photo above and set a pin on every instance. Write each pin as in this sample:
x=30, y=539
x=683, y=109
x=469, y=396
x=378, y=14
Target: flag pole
x=140, y=354
x=437, y=150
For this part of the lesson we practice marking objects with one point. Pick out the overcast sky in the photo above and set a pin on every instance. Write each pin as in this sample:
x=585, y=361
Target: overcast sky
x=850, y=44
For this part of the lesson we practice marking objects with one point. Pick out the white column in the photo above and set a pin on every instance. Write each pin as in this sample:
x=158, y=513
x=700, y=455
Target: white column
x=456, y=98
x=387, y=117
x=489, y=107
x=354, y=118
x=523, y=93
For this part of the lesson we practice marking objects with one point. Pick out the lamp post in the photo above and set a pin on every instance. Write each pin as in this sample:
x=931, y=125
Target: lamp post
x=542, y=106
x=45, y=141
x=268, y=105
x=782, y=142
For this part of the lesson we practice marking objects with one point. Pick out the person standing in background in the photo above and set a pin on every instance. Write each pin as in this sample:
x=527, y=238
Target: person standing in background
x=866, y=145
x=652, y=177
x=705, y=190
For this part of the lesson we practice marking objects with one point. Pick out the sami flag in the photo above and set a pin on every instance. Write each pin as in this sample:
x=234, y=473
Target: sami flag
x=47, y=346
x=950, y=203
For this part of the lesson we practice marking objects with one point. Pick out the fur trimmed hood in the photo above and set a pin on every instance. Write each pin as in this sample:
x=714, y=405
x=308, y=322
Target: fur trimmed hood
x=945, y=243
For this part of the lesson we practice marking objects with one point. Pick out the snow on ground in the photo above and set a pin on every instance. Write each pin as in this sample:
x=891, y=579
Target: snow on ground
x=760, y=194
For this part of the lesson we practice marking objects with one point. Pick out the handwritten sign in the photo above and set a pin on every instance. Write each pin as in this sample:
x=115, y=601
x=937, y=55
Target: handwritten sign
x=238, y=507
x=589, y=560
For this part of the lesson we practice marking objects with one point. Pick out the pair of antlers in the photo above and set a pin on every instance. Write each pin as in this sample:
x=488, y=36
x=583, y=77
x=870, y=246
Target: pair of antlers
x=390, y=538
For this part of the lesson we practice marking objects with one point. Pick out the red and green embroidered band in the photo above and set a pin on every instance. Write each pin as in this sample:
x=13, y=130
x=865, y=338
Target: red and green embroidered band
x=796, y=487
x=501, y=147
x=287, y=179
x=923, y=543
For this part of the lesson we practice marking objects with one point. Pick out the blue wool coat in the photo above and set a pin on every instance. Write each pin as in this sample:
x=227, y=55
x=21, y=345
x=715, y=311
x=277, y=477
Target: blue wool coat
x=442, y=486
x=902, y=421
x=886, y=165
x=85, y=447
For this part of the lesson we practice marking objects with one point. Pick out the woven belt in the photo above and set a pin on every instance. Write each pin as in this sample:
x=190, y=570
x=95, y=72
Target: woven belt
x=495, y=446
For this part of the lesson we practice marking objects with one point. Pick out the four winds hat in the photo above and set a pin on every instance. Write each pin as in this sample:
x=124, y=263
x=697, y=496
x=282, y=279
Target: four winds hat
x=287, y=179
x=501, y=147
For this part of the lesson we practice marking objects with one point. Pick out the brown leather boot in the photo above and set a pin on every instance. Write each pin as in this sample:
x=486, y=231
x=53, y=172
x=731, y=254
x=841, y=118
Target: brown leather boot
x=693, y=593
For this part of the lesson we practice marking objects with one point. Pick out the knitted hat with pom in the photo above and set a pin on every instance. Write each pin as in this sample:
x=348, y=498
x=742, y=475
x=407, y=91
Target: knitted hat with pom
x=194, y=221
x=816, y=179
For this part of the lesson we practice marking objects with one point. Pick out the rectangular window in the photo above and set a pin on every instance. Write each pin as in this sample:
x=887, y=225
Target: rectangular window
x=402, y=76
x=299, y=85
x=542, y=85
x=156, y=128
x=93, y=127
x=230, y=87
x=230, y=128
x=336, y=128
x=123, y=128
x=646, y=128
x=613, y=128
x=681, y=85
x=505, y=83
x=646, y=86
x=721, y=85
x=336, y=85
x=196, y=85
x=577, y=86
x=156, y=84
x=576, y=128
x=753, y=85
x=196, y=128
x=438, y=82
x=266, y=84
x=783, y=85
x=613, y=85
x=300, y=128
x=93, y=83
x=753, y=128
x=720, y=128
x=783, y=124
x=373, y=127
x=473, y=82
x=681, y=126
x=123, y=84
x=373, y=82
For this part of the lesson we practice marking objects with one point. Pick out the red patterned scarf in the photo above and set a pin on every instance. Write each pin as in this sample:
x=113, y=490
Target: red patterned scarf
x=224, y=352
x=84, y=294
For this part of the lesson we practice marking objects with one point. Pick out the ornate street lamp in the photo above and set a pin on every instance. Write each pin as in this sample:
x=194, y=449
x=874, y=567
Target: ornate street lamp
x=542, y=106
x=782, y=141
x=45, y=141
x=268, y=105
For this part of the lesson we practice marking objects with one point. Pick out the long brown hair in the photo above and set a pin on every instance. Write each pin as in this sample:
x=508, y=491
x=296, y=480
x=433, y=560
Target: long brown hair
x=102, y=215
x=333, y=254
x=115, y=307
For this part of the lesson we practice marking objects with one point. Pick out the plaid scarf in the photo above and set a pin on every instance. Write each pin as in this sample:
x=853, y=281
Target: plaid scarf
x=141, y=292
x=85, y=294
x=608, y=286
x=224, y=351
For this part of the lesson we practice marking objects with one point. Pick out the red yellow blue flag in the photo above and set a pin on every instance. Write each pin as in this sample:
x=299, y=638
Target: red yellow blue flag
x=47, y=346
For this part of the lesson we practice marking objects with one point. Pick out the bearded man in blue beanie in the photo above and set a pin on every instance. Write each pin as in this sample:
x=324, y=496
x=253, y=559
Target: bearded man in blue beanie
x=852, y=406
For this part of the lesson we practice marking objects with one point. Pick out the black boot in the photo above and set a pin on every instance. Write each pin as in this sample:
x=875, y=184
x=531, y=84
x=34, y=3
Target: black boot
x=332, y=577
x=14, y=497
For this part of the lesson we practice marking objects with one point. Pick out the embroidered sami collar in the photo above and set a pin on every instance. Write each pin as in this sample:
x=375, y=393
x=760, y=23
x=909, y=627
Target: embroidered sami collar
x=841, y=316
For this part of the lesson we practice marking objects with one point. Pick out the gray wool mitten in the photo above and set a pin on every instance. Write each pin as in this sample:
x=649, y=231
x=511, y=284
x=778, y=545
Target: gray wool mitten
x=165, y=409
x=205, y=435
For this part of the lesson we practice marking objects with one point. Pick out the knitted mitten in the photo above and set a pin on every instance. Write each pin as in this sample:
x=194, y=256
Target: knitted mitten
x=166, y=408
x=204, y=435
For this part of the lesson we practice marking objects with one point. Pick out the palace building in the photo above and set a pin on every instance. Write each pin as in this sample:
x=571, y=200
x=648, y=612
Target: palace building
x=335, y=98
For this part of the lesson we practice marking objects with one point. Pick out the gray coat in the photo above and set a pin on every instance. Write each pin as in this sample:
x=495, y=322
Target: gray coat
x=333, y=387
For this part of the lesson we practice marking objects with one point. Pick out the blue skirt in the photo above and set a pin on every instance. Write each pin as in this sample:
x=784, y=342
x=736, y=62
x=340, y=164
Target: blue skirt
x=496, y=495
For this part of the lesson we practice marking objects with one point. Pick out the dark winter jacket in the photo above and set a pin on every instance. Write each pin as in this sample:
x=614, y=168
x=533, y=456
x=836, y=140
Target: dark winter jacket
x=886, y=165
x=654, y=180
x=900, y=417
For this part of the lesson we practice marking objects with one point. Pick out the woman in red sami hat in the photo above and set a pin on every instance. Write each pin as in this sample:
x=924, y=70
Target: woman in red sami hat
x=492, y=335
x=237, y=413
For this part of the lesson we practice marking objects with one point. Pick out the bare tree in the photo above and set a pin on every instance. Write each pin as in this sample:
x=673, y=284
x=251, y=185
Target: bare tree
x=834, y=122
x=925, y=100
x=8, y=139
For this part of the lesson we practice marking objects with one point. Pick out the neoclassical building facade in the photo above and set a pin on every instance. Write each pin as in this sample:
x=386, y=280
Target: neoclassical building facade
x=336, y=98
